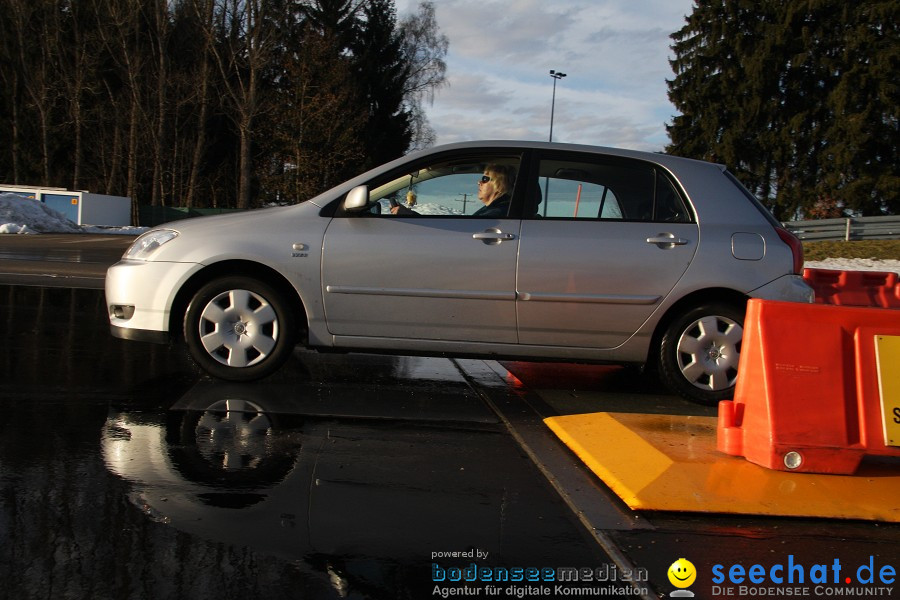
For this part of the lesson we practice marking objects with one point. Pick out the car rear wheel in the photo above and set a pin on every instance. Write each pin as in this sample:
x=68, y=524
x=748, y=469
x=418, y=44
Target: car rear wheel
x=239, y=328
x=700, y=351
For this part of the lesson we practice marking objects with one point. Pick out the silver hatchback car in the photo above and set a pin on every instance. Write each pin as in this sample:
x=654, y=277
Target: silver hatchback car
x=592, y=254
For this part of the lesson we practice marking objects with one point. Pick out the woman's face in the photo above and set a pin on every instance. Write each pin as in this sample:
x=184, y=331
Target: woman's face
x=487, y=190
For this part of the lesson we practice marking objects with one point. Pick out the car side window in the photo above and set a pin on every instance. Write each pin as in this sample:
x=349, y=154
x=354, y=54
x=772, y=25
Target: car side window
x=446, y=188
x=669, y=206
x=618, y=191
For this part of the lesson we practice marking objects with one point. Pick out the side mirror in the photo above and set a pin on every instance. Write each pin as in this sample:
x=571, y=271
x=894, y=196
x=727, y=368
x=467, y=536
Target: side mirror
x=357, y=199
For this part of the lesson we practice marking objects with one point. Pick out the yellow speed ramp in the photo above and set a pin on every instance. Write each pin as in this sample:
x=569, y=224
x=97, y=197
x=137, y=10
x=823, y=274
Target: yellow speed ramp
x=670, y=463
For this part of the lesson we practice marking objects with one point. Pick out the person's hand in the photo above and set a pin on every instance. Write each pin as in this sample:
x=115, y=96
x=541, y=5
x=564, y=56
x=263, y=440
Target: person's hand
x=402, y=210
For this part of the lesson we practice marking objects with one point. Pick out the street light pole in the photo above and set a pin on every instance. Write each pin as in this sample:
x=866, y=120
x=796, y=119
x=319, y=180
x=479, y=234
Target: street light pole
x=556, y=75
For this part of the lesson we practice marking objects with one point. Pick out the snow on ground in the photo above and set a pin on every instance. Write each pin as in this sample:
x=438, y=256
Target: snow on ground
x=855, y=264
x=22, y=215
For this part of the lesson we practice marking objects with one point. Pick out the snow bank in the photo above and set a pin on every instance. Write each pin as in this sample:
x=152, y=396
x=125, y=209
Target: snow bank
x=19, y=214
x=854, y=264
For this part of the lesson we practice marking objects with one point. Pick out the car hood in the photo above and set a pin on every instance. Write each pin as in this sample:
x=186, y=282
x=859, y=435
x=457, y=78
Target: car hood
x=252, y=235
x=243, y=219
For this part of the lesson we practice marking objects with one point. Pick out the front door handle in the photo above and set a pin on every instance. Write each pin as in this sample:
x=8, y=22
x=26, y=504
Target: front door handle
x=666, y=240
x=493, y=236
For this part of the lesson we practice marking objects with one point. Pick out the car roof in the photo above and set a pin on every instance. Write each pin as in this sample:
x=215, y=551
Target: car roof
x=675, y=162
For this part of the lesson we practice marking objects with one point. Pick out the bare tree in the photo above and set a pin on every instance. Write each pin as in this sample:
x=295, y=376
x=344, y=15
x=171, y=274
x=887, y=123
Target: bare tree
x=35, y=39
x=241, y=55
x=425, y=47
x=192, y=102
x=79, y=63
x=159, y=20
x=11, y=90
x=204, y=10
x=315, y=134
x=121, y=37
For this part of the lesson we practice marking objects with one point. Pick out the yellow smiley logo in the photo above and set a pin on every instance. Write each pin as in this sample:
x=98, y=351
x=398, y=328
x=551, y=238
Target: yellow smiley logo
x=682, y=573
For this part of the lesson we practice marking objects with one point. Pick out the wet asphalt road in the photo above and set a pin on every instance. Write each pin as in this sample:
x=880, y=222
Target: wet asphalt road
x=126, y=473
x=59, y=260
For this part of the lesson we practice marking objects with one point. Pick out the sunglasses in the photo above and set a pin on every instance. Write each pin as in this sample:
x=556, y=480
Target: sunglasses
x=485, y=179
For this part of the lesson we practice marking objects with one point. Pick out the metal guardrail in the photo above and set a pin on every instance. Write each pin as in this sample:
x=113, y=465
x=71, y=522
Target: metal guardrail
x=847, y=229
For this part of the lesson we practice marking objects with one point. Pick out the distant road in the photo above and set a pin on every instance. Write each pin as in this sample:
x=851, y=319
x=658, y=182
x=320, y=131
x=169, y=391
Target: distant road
x=74, y=260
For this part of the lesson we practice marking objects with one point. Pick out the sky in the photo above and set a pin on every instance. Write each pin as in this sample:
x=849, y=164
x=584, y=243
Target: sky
x=615, y=54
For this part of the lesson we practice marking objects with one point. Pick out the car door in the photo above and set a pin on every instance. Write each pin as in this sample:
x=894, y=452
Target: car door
x=610, y=240
x=438, y=273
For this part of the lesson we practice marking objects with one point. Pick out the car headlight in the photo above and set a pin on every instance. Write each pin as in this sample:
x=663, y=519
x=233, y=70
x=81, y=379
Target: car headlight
x=148, y=243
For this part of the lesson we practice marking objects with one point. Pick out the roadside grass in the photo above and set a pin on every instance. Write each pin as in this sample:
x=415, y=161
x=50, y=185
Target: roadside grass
x=881, y=249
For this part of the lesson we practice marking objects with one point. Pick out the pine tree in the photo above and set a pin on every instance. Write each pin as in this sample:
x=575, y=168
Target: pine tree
x=863, y=137
x=380, y=72
x=797, y=98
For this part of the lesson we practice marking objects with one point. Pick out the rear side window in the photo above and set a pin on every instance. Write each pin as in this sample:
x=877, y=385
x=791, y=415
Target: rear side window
x=607, y=190
x=668, y=206
x=753, y=199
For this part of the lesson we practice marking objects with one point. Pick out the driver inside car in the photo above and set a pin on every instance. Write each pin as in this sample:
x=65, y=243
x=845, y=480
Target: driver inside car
x=494, y=192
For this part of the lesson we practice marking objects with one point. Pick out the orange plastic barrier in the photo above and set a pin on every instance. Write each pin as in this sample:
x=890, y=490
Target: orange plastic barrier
x=807, y=397
x=854, y=288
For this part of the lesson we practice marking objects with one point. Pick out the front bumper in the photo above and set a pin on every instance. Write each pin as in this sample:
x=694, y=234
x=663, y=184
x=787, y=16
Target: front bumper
x=140, y=295
x=140, y=335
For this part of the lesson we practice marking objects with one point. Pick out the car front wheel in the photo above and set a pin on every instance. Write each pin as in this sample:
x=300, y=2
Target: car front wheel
x=700, y=351
x=239, y=329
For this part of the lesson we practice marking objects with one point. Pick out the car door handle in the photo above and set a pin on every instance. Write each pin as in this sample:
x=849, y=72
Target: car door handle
x=493, y=236
x=666, y=240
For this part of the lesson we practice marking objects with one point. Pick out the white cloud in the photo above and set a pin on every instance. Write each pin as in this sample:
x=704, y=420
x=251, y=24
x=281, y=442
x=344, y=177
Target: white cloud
x=615, y=54
x=501, y=31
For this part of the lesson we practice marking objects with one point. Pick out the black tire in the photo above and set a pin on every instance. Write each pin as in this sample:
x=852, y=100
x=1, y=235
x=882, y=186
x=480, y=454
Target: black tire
x=239, y=329
x=700, y=350
x=233, y=444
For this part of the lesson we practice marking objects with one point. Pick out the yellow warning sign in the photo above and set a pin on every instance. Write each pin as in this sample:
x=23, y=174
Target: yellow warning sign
x=887, y=351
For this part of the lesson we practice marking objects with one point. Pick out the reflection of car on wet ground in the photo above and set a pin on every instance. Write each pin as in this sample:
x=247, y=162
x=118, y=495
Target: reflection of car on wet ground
x=294, y=486
x=605, y=255
x=354, y=497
